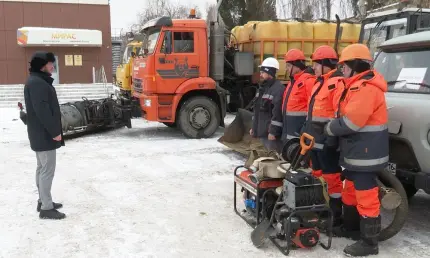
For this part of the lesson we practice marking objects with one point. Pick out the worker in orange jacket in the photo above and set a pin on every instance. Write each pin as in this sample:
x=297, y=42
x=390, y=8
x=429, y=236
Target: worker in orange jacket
x=361, y=124
x=296, y=94
x=321, y=109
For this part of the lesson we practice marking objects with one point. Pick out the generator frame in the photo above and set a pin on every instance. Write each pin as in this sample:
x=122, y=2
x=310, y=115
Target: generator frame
x=258, y=189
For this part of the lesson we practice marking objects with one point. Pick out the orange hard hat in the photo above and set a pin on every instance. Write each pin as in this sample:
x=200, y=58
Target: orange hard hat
x=294, y=55
x=324, y=52
x=355, y=51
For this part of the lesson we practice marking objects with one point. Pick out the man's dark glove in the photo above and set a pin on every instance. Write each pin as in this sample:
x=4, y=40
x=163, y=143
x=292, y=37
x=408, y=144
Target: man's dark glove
x=23, y=116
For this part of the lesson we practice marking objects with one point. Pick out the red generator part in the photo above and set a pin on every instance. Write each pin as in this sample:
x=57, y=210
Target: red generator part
x=259, y=191
x=306, y=237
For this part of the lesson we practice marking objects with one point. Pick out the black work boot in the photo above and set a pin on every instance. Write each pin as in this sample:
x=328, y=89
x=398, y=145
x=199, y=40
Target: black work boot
x=56, y=206
x=336, y=208
x=368, y=245
x=335, y=205
x=350, y=227
x=51, y=214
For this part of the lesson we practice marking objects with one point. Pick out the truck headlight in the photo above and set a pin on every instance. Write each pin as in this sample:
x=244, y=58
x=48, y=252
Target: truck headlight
x=147, y=102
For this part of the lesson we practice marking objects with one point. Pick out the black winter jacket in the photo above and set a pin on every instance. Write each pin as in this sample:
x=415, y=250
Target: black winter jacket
x=268, y=109
x=43, y=112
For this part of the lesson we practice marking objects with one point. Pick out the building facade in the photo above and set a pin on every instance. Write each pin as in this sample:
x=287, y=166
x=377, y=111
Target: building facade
x=78, y=32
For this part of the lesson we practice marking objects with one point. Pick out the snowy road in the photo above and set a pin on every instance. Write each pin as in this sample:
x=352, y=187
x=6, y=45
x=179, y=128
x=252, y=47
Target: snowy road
x=145, y=192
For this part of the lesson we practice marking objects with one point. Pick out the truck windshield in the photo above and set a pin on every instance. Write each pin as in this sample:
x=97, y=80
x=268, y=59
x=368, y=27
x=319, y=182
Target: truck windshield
x=405, y=71
x=128, y=51
x=150, y=41
x=377, y=33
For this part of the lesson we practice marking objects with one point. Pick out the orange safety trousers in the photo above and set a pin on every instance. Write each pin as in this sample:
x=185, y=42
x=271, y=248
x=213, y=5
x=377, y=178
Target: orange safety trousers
x=325, y=164
x=334, y=182
x=366, y=201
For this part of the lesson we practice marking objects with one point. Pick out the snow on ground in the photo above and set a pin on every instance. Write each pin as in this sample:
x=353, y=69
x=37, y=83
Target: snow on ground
x=145, y=192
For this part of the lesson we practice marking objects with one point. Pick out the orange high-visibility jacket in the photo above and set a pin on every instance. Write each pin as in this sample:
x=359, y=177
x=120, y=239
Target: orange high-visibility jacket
x=361, y=123
x=295, y=103
x=322, y=106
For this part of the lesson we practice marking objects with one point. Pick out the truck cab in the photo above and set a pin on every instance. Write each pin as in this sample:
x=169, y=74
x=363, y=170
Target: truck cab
x=124, y=70
x=172, y=79
x=404, y=63
x=380, y=26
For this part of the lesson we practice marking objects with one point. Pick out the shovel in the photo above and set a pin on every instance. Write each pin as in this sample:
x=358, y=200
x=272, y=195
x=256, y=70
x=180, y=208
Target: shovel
x=261, y=232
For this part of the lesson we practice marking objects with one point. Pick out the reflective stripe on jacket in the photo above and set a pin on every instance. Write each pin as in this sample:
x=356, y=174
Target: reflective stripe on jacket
x=267, y=109
x=323, y=104
x=362, y=123
x=295, y=103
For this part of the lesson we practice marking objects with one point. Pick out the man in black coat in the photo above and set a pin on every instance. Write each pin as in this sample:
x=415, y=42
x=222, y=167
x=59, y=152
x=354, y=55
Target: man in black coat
x=44, y=129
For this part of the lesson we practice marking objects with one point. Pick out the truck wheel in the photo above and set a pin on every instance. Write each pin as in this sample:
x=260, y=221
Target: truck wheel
x=410, y=190
x=391, y=181
x=198, y=117
x=171, y=125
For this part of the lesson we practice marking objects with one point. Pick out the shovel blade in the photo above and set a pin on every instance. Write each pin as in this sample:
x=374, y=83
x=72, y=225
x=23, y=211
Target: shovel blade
x=236, y=136
x=260, y=233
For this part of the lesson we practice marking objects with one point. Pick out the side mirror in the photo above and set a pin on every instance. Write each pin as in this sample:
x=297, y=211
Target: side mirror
x=168, y=42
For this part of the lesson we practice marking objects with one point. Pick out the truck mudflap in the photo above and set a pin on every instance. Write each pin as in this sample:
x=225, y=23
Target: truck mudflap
x=422, y=181
x=222, y=93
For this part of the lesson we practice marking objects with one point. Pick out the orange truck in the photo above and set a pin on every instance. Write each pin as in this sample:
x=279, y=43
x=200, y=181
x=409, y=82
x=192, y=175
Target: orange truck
x=174, y=80
x=186, y=81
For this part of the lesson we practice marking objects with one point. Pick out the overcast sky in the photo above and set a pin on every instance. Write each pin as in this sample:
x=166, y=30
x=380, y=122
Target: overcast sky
x=124, y=12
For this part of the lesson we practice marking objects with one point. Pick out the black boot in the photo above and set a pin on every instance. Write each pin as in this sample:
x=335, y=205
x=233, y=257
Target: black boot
x=51, y=214
x=56, y=206
x=368, y=245
x=350, y=227
x=336, y=208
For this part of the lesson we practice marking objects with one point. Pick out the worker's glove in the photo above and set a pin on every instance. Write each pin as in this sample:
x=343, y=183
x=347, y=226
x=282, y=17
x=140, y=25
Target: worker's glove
x=23, y=116
x=318, y=127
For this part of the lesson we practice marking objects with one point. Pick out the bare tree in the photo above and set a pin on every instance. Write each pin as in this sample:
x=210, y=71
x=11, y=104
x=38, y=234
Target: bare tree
x=159, y=8
x=305, y=9
x=239, y=12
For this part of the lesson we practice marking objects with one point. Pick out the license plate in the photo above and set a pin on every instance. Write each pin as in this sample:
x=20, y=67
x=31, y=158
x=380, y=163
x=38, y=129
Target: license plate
x=391, y=167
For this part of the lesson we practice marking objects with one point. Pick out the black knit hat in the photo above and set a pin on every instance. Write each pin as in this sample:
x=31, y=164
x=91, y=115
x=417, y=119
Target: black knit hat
x=40, y=59
x=269, y=70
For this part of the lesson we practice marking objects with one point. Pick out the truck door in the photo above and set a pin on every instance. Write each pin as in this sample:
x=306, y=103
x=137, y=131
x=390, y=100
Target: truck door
x=177, y=60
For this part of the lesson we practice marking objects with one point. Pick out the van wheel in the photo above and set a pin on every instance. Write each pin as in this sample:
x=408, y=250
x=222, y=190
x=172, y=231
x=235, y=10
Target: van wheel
x=198, y=117
x=401, y=211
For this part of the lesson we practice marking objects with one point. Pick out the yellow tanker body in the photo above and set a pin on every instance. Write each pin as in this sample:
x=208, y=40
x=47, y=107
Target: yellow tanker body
x=276, y=38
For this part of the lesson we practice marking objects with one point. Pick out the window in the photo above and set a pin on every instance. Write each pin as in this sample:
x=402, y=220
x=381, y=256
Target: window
x=384, y=31
x=407, y=72
x=127, y=53
x=397, y=30
x=150, y=42
x=183, y=42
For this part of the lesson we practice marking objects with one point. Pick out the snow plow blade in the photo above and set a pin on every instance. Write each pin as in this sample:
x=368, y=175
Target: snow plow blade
x=89, y=116
x=236, y=136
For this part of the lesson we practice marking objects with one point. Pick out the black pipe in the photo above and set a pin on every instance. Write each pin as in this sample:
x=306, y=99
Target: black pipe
x=336, y=41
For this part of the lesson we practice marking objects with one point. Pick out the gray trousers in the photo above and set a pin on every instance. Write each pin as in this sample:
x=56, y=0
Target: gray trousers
x=46, y=161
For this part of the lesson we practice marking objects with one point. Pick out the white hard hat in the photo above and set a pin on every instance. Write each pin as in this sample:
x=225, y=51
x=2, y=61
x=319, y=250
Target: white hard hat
x=270, y=62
